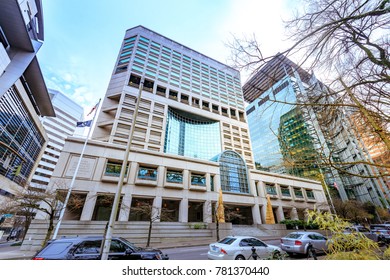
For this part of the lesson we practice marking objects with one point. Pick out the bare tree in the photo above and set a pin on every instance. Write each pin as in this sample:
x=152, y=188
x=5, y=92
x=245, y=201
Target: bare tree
x=27, y=202
x=152, y=214
x=347, y=43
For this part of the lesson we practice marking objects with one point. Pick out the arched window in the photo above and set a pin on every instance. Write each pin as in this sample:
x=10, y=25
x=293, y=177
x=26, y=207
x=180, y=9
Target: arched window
x=234, y=174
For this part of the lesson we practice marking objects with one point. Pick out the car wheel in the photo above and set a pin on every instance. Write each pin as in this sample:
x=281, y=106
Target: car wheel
x=240, y=257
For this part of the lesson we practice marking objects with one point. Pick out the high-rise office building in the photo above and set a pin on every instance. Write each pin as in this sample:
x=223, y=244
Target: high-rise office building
x=190, y=140
x=293, y=139
x=23, y=93
x=58, y=129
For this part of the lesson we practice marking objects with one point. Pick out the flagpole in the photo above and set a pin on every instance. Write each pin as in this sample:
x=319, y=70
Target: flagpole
x=111, y=223
x=74, y=177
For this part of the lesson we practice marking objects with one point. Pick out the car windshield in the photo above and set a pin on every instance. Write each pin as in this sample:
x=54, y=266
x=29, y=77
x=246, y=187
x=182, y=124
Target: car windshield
x=294, y=236
x=227, y=240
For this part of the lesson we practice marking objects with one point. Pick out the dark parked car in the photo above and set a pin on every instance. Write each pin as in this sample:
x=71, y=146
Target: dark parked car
x=88, y=248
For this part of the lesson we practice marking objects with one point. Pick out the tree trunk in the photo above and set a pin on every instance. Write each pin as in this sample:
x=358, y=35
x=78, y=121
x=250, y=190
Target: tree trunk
x=149, y=233
x=49, y=230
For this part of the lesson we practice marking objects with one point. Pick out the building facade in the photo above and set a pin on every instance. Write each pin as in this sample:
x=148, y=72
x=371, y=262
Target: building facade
x=190, y=140
x=23, y=94
x=57, y=129
x=289, y=138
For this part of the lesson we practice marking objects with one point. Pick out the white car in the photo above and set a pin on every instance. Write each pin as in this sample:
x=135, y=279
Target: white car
x=240, y=248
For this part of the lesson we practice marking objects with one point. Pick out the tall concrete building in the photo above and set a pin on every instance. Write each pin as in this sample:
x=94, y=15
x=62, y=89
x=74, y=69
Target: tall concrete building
x=58, y=128
x=190, y=140
x=23, y=94
x=299, y=140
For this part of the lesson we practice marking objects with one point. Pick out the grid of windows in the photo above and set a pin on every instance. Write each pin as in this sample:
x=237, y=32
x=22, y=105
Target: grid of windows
x=181, y=71
x=20, y=139
x=192, y=136
x=234, y=174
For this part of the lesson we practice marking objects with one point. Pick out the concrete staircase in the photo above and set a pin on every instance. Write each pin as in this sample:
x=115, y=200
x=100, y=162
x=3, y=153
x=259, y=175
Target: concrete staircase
x=260, y=231
x=164, y=234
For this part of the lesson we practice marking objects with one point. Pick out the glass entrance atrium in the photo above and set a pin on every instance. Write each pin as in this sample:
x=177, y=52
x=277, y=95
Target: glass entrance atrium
x=192, y=135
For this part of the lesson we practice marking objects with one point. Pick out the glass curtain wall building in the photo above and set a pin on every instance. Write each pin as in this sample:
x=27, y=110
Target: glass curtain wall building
x=293, y=139
x=23, y=93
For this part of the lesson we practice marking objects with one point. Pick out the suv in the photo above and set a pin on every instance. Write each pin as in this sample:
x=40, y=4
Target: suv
x=382, y=231
x=88, y=248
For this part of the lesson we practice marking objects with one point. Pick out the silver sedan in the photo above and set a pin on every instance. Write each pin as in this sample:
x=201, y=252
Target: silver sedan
x=241, y=248
x=299, y=242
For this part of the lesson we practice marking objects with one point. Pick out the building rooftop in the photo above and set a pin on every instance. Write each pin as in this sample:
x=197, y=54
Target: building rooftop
x=272, y=72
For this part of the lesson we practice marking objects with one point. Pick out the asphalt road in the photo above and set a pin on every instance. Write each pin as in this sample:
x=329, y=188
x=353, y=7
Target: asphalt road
x=197, y=252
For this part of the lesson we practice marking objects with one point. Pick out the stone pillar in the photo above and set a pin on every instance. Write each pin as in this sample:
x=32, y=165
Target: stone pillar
x=256, y=214
x=89, y=206
x=262, y=209
x=208, y=182
x=261, y=189
x=279, y=214
x=207, y=212
x=160, y=176
x=132, y=172
x=217, y=182
x=183, y=211
x=294, y=214
x=124, y=211
x=186, y=179
x=253, y=187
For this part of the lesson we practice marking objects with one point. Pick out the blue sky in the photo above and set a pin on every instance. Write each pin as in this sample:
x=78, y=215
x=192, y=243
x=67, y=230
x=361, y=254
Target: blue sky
x=83, y=37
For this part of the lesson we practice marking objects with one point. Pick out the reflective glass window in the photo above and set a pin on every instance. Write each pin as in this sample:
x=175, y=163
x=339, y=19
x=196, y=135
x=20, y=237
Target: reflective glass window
x=234, y=175
x=191, y=135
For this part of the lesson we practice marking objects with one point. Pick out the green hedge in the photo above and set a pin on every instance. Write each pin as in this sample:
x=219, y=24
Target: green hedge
x=293, y=224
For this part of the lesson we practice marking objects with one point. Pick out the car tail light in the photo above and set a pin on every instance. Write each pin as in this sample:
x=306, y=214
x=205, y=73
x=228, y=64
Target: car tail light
x=297, y=242
x=223, y=251
x=38, y=258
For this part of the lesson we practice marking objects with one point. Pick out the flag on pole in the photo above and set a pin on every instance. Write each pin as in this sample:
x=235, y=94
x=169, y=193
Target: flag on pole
x=84, y=123
x=93, y=108
x=335, y=186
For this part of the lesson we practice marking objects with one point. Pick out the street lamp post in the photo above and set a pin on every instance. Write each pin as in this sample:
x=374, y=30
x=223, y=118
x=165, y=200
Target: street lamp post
x=110, y=226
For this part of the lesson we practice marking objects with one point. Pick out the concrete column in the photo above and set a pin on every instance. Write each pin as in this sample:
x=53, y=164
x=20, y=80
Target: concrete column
x=157, y=204
x=256, y=214
x=124, y=211
x=186, y=179
x=183, y=211
x=261, y=189
x=217, y=182
x=208, y=182
x=132, y=172
x=160, y=176
x=294, y=214
x=89, y=206
x=253, y=187
x=262, y=209
x=207, y=212
x=279, y=214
